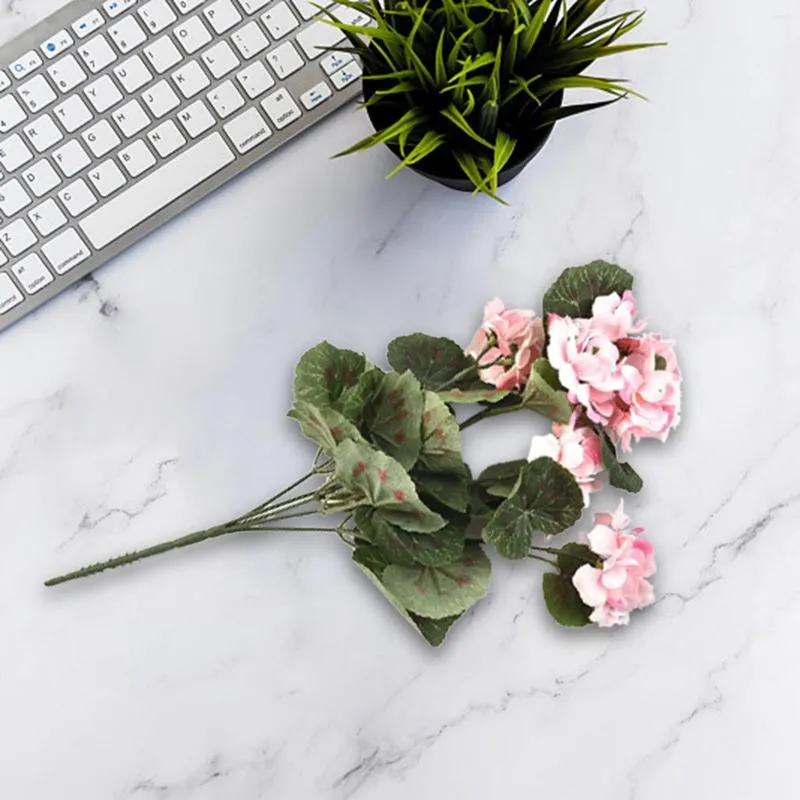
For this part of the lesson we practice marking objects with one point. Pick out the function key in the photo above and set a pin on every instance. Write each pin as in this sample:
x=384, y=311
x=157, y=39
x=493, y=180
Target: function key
x=22, y=66
x=88, y=24
x=56, y=44
x=116, y=7
x=4, y=81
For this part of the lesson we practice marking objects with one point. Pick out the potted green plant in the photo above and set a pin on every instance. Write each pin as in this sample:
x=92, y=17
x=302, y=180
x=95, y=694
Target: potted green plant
x=466, y=92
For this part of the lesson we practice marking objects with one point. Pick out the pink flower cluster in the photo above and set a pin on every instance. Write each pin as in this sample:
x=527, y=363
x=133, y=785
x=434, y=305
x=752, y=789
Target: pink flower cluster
x=577, y=449
x=620, y=585
x=509, y=340
x=629, y=384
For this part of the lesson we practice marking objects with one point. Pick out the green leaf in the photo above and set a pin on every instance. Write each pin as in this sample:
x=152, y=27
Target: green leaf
x=573, y=556
x=379, y=481
x=446, y=488
x=394, y=417
x=575, y=290
x=440, y=592
x=500, y=480
x=563, y=601
x=406, y=549
x=620, y=475
x=483, y=393
x=434, y=630
x=441, y=438
x=325, y=426
x=546, y=498
x=433, y=360
x=324, y=372
x=452, y=114
x=372, y=563
x=540, y=396
x=355, y=399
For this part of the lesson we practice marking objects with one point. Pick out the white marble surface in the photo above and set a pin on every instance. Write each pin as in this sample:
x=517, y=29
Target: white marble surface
x=151, y=400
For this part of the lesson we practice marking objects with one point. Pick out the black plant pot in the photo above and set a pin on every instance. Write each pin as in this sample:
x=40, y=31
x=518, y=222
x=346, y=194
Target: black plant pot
x=441, y=167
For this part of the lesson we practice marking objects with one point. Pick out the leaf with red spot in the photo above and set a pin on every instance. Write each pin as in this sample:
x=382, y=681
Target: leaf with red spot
x=356, y=399
x=381, y=482
x=372, y=562
x=575, y=290
x=394, y=417
x=325, y=426
x=450, y=489
x=442, y=591
x=441, y=438
x=325, y=372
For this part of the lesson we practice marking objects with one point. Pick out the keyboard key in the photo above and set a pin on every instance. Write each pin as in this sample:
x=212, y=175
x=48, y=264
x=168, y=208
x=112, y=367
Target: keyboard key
x=157, y=15
x=137, y=159
x=17, y=237
x=187, y=6
x=131, y=118
x=116, y=7
x=335, y=61
x=43, y=133
x=250, y=41
x=77, y=198
x=255, y=79
x=160, y=99
x=36, y=93
x=56, y=44
x=196, y=119
x=107, y=178
x=281, y=108
x=67, y=73
x=13, y=198
x=316, y=95
x=87, y=24
x=220, y=59
x=4, y=81
x=10, y=296
x=191, y=79
x=133, y=74
x=346, y=75
x=127, y=34
x=32, y=273
x=103, y=94
x=47, y=217
x=73, y=114
x=318, y=35
x=247, y=130
x=22, y=66
x=101, y=138
x=41, y=178
x=284, y=60
x=166, y=139
x=14, y=153
x=192, y=35
x=71, y=158
x=279, y=20
x=308, y=8
x=11, y=113
x=222, y=15
x=251, y=6
x=162, y=54
x=65, y=251
x=157, y=190
x=97, y=54
x=225, y=99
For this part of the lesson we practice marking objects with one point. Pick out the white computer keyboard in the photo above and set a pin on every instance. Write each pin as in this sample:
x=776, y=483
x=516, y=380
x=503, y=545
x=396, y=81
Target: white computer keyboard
x=115, y=116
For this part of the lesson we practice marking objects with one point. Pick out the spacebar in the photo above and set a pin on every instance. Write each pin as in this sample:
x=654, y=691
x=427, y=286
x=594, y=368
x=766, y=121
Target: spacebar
x=156, y=191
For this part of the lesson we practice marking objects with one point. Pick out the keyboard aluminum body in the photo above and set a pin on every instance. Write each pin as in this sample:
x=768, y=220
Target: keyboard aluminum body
x=81, y=209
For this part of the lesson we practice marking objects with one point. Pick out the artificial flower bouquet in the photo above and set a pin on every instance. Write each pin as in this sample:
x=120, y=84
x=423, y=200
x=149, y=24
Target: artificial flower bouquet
x=390, y=475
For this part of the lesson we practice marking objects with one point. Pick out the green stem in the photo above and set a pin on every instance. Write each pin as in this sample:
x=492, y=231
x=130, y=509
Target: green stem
x=287, y=505
x=465, y=372
x=494, y=411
